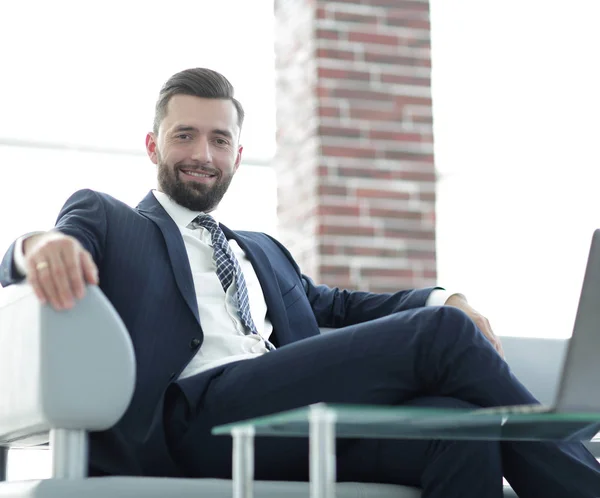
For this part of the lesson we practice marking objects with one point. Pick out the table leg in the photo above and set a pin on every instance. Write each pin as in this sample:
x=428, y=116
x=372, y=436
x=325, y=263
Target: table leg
x=322, y=452
x=243, y=461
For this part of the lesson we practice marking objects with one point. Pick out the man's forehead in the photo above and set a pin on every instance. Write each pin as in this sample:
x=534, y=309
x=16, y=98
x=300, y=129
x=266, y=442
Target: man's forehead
x=200, y=112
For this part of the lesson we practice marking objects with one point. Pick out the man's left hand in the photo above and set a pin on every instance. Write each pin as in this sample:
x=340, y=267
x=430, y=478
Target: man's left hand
x=459, y=301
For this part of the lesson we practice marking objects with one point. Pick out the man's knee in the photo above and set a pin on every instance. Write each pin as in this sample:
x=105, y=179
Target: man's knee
x=446, y=322
x=452, y=316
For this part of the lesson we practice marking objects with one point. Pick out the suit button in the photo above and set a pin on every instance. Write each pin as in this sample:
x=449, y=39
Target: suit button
x=194, y=343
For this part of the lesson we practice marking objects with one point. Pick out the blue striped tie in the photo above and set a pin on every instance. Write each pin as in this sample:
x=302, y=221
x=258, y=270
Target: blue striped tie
x=228, y=267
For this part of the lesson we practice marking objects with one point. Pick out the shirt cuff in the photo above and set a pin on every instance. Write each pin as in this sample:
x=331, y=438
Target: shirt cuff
x=438, y=297
x=19, y=256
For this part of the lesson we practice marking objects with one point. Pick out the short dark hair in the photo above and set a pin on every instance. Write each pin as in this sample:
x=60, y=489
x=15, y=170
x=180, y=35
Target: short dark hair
x=198, y=82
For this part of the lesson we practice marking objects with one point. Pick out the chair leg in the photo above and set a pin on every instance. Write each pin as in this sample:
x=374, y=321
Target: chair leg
x=3, y=462
x=69, y=453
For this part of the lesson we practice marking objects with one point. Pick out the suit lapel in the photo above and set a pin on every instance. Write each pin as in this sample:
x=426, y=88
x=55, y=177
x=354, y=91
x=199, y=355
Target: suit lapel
x=180, y=263
x=151, y=208
x=266, y=277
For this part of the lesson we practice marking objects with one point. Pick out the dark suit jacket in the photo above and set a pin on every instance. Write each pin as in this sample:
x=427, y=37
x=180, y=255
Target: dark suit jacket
x=145, y=273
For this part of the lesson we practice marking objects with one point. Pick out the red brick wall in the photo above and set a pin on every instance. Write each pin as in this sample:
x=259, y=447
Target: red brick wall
x=356, y=178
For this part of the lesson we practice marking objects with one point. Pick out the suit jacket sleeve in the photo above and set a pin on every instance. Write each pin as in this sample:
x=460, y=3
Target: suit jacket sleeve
x=334, y=307
x=8, y=271
x=83, y=216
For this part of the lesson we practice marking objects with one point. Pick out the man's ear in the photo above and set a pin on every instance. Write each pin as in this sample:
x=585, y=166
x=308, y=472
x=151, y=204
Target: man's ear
x=238, y=159
x=151, y=147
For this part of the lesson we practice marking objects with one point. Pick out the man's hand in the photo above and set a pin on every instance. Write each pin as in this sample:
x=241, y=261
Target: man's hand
x=459, y=301
x=58, y=267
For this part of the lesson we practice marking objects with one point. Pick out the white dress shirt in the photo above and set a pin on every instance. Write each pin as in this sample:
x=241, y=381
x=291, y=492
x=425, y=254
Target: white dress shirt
x=224, y=337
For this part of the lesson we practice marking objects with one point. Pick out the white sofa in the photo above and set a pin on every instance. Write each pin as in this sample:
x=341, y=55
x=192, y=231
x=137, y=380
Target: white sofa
x=51, y=388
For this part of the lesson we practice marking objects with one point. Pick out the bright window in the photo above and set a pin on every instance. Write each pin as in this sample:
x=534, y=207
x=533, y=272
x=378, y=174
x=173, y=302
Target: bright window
x=516, y=106
x=86, y=76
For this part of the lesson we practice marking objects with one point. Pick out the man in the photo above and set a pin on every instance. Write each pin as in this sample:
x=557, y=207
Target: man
x=225, y=327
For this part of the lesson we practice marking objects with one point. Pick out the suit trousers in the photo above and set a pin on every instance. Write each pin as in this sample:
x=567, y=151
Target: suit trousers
x=431, y=356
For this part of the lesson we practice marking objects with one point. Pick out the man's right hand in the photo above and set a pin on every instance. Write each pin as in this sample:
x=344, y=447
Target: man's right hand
x=58, y=268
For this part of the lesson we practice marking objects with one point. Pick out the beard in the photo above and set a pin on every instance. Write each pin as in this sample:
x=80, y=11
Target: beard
x=192, y=195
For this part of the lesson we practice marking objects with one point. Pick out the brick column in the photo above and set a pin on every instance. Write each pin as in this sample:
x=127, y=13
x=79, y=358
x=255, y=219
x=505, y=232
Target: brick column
x=356, y=179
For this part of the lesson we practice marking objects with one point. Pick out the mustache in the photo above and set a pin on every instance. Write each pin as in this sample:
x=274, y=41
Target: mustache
x=198, y=169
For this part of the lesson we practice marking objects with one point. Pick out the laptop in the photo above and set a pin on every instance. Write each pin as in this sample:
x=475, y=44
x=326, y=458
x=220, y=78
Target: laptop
x=579, y=388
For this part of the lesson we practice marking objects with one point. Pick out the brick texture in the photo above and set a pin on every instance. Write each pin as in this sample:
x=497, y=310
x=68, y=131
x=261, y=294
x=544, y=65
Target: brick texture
x=355, y=165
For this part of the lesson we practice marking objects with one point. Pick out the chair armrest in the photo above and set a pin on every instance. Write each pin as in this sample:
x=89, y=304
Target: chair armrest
x=61, y=369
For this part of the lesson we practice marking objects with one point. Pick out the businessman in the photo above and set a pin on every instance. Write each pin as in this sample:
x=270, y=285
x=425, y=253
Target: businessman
x=226, y=327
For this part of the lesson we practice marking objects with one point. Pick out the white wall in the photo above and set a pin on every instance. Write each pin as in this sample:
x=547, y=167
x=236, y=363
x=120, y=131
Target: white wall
x=516, y=107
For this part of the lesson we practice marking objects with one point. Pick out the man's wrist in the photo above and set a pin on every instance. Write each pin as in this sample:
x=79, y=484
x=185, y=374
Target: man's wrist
x=19, y=253
x=456, y=298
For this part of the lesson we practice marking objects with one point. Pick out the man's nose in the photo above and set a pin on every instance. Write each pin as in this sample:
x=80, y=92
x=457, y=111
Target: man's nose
x=202, y=151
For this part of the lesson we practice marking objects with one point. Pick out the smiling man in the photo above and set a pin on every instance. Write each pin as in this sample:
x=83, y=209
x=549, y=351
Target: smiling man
x=226, y=327
x=195, y=145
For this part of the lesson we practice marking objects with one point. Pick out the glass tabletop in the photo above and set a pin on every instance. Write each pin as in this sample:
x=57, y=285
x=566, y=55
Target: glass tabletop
x=425, y=423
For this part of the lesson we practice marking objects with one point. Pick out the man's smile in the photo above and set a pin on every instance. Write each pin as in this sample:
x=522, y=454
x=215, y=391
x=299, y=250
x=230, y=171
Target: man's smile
x=197, y=176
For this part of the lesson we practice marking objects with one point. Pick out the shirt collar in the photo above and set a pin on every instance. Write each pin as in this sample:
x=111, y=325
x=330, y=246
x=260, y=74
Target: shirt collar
x=182, y=216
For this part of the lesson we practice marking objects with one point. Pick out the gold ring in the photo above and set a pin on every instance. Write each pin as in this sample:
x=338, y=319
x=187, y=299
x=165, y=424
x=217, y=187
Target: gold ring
x=42, y=265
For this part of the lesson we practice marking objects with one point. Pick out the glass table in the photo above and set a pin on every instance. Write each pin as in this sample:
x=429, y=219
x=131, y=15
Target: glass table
x=322, y=423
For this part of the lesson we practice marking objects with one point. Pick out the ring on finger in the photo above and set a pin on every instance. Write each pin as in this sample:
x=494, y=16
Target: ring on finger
x=42, y=265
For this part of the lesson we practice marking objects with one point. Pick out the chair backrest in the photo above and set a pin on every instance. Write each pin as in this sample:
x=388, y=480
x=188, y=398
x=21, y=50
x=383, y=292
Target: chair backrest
x=537, y=363
x=61, y=370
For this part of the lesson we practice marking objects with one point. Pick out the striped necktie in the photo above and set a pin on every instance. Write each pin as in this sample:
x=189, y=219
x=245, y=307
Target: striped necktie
x=228, y=269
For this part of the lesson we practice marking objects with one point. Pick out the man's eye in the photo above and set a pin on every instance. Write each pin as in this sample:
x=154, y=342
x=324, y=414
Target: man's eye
x=183, y=136
x=221, y=141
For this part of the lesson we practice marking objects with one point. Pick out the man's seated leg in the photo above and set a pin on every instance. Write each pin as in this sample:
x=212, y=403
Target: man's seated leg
x=423, y=352
x=440, y=467
x=551, y=469
x=443, y=469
